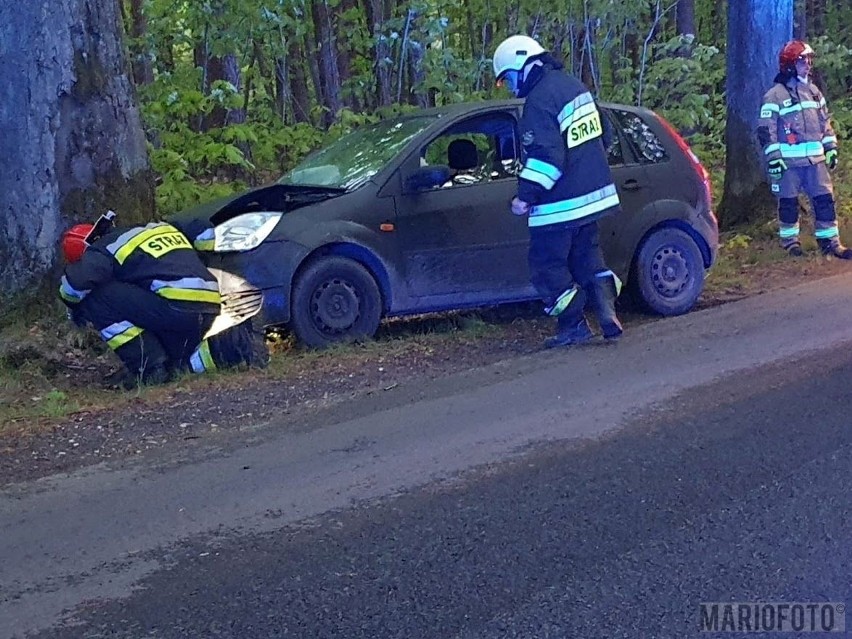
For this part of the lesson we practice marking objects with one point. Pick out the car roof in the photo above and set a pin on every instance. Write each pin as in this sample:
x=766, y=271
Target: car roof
x=466, y=108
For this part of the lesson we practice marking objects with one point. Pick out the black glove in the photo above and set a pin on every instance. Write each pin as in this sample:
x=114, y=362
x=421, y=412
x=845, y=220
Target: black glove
x=776, y=169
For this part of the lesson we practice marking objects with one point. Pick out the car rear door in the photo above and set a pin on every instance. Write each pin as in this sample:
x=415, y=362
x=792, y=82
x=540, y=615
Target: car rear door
x=460, y=243
x=635, y=190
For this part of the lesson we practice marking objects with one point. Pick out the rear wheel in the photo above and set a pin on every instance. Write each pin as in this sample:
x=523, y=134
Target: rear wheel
x=335, y=300
x=669, y=272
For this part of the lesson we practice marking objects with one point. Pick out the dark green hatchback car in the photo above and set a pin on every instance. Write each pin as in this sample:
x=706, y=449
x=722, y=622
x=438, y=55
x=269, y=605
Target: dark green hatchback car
x=411, y=215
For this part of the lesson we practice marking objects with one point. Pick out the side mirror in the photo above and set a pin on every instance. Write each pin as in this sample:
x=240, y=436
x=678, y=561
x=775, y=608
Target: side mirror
x=427, y=177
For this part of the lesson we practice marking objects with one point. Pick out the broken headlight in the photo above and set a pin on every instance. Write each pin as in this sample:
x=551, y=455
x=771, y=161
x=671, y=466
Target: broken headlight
x=245, y=232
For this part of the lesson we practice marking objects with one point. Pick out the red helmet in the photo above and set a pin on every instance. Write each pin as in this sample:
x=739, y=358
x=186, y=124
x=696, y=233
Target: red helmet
x=791, y=52
x=74, y=242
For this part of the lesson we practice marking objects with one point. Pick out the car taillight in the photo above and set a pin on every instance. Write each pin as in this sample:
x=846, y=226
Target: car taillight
x=703, y=173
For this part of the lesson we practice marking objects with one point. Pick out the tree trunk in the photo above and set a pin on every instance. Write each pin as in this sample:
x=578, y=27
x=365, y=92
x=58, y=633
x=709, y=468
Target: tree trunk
x=416, y=54
x=756, y=31
x=376, y=17
x=283, y=91
x=816, y=10
x=231, y=73
x=584, y=55
x=685, y=20
x=384, y=63
x=143, y=71
x=329, y=72
x=341, y=27
x=299, y=90
x=314, y=69
x=717, y=18
x=72, y=137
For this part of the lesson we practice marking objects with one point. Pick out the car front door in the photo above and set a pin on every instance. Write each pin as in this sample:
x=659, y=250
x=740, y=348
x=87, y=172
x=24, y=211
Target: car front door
x=460, y=243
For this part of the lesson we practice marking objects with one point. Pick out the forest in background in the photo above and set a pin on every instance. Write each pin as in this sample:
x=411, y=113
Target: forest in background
x=234, y=92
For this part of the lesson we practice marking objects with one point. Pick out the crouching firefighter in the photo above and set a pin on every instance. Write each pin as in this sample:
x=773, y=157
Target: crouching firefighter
x=564, y=187
x=146, y=292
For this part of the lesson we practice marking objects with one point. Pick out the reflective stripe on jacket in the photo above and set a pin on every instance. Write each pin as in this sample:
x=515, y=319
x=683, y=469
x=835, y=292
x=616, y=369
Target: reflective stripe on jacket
x=795, y=124
x=565, y=176
x=158, y=257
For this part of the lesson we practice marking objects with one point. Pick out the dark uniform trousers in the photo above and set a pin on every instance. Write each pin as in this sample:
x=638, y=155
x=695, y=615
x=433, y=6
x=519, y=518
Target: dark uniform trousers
x=143, y=328
x=561, y=255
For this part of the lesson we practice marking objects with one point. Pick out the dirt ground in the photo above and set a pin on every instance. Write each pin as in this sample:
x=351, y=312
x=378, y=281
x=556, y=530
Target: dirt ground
x=86, y=425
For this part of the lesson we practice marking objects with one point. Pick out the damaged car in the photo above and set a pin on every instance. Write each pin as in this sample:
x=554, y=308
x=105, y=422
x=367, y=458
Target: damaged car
x=411, y=215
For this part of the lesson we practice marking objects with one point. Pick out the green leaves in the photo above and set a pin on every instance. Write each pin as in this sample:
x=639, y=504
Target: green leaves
x=433, y=51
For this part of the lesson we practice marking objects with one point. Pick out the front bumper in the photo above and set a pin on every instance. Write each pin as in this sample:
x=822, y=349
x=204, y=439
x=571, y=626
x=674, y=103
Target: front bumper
x=267, y=269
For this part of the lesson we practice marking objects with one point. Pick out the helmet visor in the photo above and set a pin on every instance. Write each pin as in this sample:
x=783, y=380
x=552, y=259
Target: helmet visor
x=510, y=79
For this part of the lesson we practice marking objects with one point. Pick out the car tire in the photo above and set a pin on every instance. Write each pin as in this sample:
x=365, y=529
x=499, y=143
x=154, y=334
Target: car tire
x=668, y=273
x=335, y=300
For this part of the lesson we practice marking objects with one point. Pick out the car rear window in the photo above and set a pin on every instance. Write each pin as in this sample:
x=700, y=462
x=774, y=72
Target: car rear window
x=649, y=148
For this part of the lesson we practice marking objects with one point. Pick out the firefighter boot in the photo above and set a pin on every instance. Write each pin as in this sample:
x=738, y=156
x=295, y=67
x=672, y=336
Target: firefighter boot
x=570, y=333
x=794, y=249
x=788, y=226
x=834, y=248
x=570, y=323
x=604, y=291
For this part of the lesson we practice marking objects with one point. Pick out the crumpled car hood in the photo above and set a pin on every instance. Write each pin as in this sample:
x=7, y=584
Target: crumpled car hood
x=275, y=197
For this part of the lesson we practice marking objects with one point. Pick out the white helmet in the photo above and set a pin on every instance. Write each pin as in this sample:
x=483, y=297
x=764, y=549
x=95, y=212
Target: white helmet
x=512, y=54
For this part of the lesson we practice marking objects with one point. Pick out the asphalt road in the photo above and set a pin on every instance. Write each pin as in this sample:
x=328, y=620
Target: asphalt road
x=601, y=492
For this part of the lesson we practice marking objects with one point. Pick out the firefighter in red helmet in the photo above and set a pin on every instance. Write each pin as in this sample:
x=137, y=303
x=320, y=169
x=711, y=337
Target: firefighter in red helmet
x=800, y=147
x=144, y=289
x=74, y=242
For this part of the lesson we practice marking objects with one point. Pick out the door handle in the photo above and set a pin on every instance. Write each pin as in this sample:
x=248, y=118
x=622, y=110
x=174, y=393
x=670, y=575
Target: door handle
x=631, y=185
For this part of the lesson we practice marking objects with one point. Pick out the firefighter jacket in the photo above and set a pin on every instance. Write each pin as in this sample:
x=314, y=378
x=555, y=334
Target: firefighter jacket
x=795, y=124
x=565, y=176
x=157, y=257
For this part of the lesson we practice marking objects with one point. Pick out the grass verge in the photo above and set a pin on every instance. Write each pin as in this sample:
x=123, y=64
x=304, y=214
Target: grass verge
x=51, y=371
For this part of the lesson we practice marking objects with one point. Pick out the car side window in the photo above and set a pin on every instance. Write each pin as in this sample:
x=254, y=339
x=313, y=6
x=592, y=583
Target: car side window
x=649, y=148
x=615, y=151
x=478, y=150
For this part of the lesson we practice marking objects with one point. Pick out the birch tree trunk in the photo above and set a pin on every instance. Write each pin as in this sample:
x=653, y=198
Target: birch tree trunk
x=756, y=32
x=72, y=138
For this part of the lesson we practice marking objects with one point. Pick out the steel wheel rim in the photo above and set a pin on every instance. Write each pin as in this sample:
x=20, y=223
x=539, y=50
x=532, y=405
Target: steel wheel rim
x=669, y=271
x=335, y=306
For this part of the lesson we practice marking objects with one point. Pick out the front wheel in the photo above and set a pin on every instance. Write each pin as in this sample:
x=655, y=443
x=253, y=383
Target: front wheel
x=669, y=272
x=335, y=300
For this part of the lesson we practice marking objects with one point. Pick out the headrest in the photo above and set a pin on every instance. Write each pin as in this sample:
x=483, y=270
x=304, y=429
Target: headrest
x=462, y=155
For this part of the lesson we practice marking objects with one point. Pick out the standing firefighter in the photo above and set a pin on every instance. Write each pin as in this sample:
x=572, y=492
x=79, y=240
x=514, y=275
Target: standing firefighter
x=800, y=147
x=152, y=300
x=564, y=187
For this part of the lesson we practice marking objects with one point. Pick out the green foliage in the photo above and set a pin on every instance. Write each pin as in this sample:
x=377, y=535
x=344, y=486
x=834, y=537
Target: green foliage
x=628, y=52
x=832, y=65
x=738, y=241
x=684, y=83
x=56, y=404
